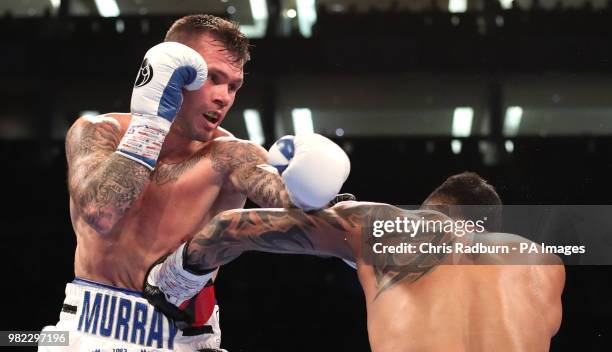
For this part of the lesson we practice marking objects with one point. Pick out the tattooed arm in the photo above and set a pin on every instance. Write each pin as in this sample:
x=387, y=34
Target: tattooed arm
x=326, y=232
x=245, y=164
x=102, y=184
x=233, y=232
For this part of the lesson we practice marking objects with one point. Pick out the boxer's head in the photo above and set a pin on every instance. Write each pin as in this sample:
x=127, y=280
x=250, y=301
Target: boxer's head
x=225, y=50
x=469, y=189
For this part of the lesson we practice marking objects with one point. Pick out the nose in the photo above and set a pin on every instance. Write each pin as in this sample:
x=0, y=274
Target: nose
x=221, y=96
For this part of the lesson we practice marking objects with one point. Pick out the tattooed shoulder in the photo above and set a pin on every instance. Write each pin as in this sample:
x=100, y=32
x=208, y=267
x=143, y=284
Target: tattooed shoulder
x=392, y=268
x=229, y=154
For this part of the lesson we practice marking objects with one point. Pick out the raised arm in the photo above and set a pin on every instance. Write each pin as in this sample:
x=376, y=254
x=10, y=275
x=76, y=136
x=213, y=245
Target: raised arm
x=246, y=166
x=313, y=170
x=102, y=184
x=108, y=169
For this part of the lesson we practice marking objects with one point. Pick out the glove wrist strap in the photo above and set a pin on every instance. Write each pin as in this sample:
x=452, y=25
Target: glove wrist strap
x=174, y=281
x=143, y=140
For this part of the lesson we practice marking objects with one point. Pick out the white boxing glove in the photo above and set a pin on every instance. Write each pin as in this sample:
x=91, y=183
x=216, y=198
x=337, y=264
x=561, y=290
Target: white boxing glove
x=166, y=70
x=313, y=168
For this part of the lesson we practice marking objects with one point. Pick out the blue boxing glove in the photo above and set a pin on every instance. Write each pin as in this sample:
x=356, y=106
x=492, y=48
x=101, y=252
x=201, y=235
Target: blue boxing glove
x=167, y=69
x=313, y=168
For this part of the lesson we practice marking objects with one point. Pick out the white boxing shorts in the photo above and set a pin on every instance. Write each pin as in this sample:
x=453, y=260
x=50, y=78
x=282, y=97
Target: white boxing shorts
x=102, y=318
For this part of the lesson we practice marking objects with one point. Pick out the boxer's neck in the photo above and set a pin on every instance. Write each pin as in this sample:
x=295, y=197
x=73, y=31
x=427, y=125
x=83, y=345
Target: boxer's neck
x=178, y=147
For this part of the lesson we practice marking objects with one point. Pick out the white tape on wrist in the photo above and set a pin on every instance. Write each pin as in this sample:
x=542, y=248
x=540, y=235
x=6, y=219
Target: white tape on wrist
x=143, y=140
x=175, y=282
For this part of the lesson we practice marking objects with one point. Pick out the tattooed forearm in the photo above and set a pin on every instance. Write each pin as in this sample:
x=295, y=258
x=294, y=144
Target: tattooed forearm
x=244, y=163
x=102, y=184
x=320, y=233
x=275, y=231
x=213, y=246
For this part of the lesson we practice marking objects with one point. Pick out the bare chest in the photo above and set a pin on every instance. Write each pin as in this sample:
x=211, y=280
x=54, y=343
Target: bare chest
x=178, y=201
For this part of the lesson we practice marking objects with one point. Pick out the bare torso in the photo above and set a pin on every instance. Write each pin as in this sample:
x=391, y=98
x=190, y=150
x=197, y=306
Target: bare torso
x=179, y=199
x=465, y=308
x=415, y=301
x=458, y=307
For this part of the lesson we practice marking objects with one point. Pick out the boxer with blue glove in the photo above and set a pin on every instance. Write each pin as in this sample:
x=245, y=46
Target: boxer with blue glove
x=142, y=183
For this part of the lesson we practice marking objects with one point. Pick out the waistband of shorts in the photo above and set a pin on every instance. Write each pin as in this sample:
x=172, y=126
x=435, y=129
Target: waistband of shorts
x=118, y=314
x=89, y=283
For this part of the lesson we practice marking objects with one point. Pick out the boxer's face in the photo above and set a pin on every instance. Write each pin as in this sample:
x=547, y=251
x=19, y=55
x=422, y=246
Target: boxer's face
x=204, y=110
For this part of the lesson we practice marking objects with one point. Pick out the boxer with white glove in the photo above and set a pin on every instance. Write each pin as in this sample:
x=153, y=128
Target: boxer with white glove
x=313, y=168
x=133, y=201
x=166, y=69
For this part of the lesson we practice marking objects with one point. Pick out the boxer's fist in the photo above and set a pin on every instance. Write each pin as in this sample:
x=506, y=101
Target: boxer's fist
x=313, y=168
x=186, y=298
x=166, y=69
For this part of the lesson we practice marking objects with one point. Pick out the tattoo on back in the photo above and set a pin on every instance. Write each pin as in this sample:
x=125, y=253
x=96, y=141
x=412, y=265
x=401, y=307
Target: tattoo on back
x=392, y=268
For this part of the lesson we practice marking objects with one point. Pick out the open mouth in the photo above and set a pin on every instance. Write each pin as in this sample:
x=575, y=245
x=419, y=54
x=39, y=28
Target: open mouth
x=211, y=117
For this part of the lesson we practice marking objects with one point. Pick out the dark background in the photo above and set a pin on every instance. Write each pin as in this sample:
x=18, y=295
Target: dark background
x=554, y=62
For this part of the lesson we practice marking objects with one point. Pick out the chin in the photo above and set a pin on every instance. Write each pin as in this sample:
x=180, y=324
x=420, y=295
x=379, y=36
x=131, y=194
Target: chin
x=203, y=136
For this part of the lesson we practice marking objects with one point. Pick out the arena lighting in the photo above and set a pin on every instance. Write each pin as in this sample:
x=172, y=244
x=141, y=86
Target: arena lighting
x=252, y=121
x=509, y=146
x=291, y=13
x=455, y=6
x=462, y=121
x=259, y=11
x=89, y=113
x=302, y=121
x=120, y=26
x=506, y=4
x=512, y=121
x=307, y=16
x=107, y=8
x=456, y=146
x=55, y=4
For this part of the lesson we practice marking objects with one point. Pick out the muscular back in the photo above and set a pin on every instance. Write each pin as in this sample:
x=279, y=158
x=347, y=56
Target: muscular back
x=415, y=302
x=125, y=217
x=462, y=307
x=466, y=308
